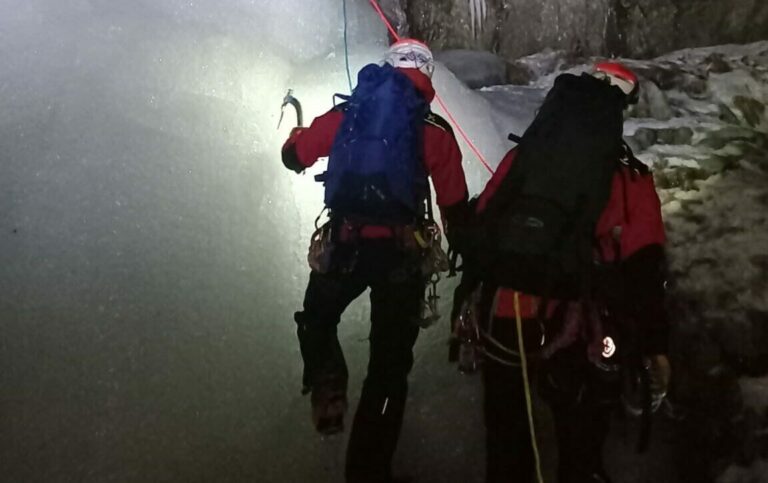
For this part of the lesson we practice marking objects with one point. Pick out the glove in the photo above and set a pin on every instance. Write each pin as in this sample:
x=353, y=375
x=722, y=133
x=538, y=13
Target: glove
x=293, y=136
x=456, y=221
x=290, y=157
x=659, y=374
x=458, y=239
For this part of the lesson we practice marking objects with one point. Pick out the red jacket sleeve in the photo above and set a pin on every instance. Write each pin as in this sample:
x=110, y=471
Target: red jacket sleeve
x=442, y=159
x=631, y=230
x=632, y=216
x=305, y=146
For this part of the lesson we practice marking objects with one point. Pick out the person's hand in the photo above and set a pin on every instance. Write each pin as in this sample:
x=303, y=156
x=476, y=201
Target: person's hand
x=289, y=154
x=457, y=220
x=294, y=134
x=659, y=374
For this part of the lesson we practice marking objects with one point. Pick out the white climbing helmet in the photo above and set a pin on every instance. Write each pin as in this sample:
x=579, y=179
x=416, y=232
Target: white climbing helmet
x=411, y=54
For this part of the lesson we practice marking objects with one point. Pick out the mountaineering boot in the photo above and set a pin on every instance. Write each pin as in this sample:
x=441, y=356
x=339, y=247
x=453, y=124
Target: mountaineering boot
x=329, y=404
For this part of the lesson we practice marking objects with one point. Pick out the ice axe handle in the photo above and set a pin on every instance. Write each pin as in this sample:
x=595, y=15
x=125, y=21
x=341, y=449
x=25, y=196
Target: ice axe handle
x=289, y=99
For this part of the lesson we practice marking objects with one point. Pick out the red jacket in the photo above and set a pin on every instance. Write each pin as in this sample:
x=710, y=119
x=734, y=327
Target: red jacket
x=631, y=231
x=442, y=157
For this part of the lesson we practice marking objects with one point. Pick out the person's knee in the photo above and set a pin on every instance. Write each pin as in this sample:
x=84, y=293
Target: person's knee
x=325, y=299
x=388, y=375
x=316, y=321
x=390, y=380
x=391, y=357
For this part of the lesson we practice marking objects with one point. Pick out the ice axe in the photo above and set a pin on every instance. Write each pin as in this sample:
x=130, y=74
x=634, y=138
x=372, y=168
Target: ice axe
x=289, y=99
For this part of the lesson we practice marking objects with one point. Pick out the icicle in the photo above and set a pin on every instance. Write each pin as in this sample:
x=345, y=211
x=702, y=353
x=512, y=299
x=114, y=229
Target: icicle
x=478, y=11
x=472, y=17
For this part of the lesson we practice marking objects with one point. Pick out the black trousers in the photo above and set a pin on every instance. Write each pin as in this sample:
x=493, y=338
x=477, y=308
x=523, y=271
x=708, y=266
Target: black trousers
x=397, y=289
x=581, y=398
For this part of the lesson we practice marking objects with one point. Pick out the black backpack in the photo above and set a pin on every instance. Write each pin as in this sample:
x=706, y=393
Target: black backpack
x=536, y=234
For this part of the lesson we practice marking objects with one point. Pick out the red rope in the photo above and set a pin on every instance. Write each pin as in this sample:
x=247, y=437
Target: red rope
x=463, y=134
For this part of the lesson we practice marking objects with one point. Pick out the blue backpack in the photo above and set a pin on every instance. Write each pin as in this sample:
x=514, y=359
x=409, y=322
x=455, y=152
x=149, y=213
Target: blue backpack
x=375, y=170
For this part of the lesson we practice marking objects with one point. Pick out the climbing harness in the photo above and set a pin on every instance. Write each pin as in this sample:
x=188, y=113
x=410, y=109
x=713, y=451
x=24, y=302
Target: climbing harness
x=289, y=99
x=429, y=239
x=466, y=334
x=429, y=309
x=434, y=261
x=321, y=246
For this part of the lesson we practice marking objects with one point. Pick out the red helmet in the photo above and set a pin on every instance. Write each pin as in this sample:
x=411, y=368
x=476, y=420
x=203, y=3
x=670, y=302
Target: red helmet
x=620, y=76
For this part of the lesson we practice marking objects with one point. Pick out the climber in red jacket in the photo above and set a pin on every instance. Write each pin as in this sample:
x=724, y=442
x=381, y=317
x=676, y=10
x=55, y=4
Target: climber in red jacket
x=372, y=233
x=578, y=350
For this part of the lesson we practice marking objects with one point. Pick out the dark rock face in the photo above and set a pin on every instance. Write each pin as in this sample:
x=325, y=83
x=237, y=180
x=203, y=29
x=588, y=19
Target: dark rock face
x=455, y=24
x=478, y=69
x=634, y=28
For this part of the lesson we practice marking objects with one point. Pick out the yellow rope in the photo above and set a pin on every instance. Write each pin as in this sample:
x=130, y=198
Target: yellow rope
x=527, y=385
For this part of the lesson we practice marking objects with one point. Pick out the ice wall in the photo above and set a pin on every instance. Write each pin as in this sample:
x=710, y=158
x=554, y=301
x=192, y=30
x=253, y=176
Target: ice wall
x=152, y=245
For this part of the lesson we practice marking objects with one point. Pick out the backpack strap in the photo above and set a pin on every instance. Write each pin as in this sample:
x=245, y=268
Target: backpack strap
x=628, y=158
x=437, y=121
x=515, y=138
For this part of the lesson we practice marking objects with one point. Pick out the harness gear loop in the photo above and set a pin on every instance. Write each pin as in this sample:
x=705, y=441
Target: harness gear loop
x=466, y=337
x=429, y=310
x=319, y=215
x=420, y=240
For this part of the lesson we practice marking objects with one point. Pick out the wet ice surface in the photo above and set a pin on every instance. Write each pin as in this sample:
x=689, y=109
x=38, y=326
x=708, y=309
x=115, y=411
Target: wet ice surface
x=153, y=247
